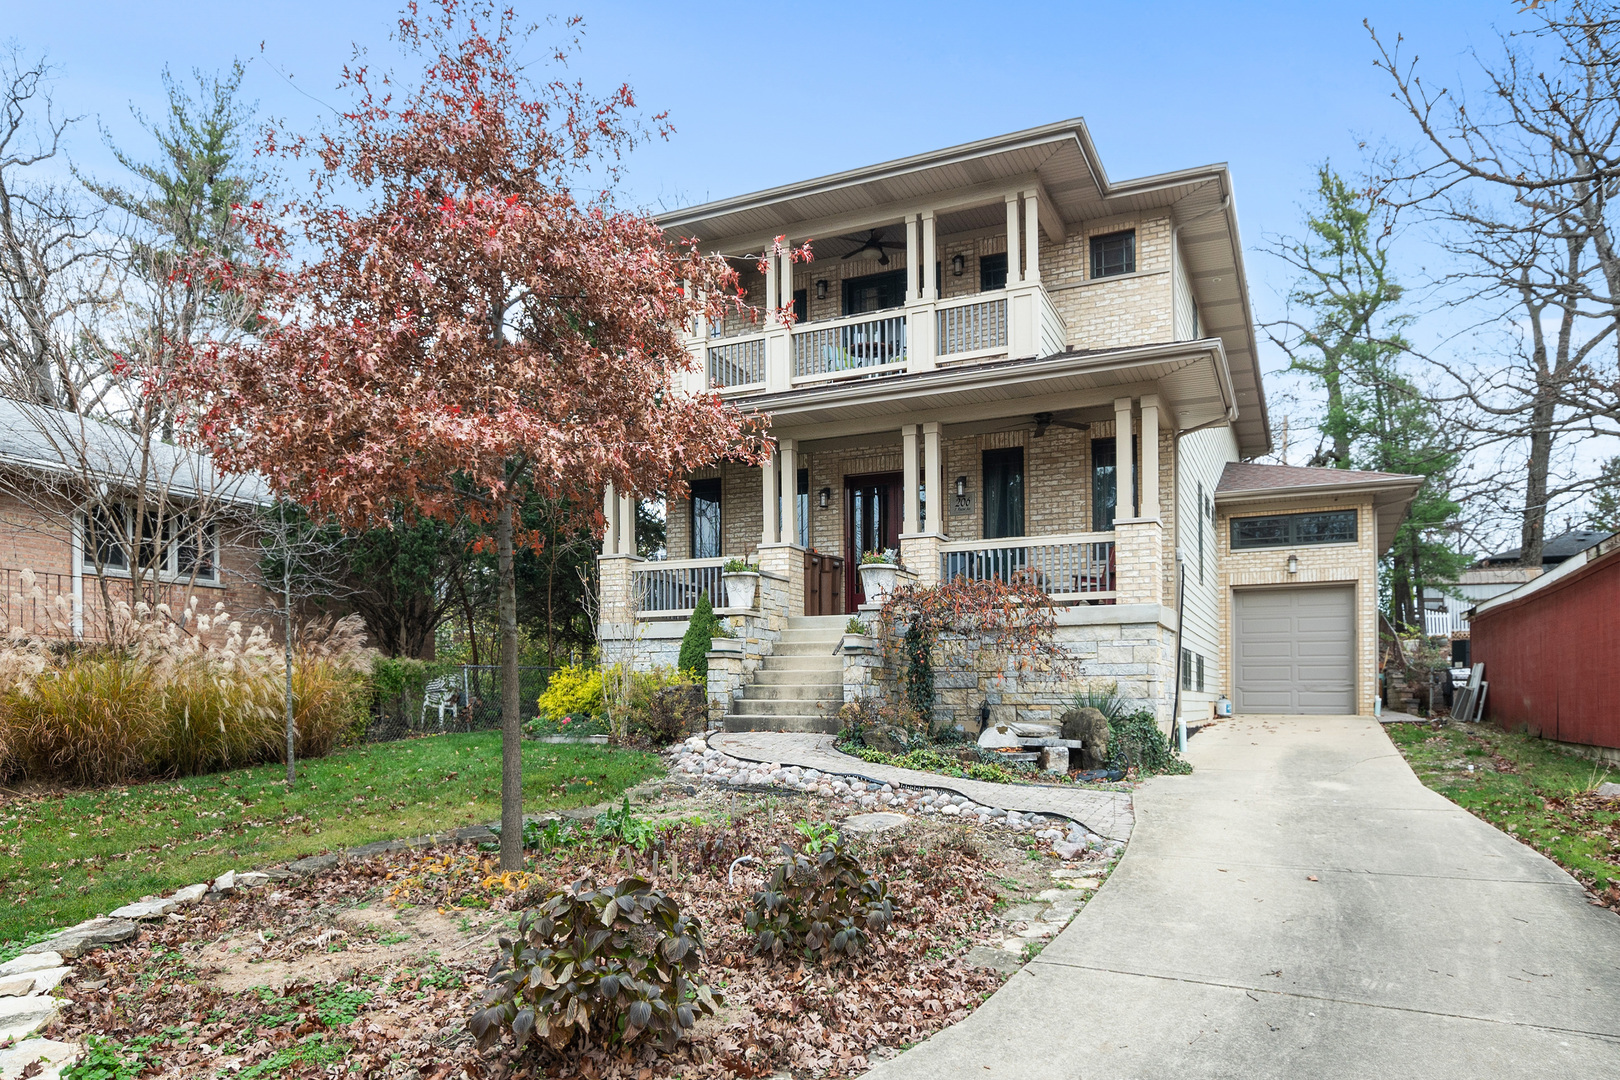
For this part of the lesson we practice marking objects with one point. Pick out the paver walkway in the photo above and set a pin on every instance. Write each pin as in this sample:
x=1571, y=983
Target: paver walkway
x=1106, y=813
x=1302, y=907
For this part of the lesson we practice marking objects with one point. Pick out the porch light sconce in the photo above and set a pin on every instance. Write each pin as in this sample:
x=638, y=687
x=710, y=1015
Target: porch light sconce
x=821, y=288
x=958, y=264
x=1293, y=564
x=824, y=497
x=961, y=493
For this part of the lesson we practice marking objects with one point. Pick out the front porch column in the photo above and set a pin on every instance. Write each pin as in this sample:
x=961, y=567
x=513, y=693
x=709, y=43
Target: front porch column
x=627, y=525
x=1032, y=238
x=768, y=488
x=911, y=520
x=787, y=450
x=773, y=291
x=930, y=258
x=1124, y=482
x=914, y=291
x=1014, y=259
x=933, y=480
x=610, y=513
x=1150, y=456
x=920, y=320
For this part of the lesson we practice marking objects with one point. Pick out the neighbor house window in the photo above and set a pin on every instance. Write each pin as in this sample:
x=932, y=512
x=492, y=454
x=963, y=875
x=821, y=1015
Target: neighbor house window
x=992, y=272
x=107, y=539
x=174, y=546
x=1290, y=530
x=1113, y=254
x=706, y=519
x=1003, y=493
x=1186, y=669
x=1200, y=659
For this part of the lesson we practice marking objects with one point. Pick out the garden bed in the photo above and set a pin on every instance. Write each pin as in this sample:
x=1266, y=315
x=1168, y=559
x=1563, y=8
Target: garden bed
x=374, y=969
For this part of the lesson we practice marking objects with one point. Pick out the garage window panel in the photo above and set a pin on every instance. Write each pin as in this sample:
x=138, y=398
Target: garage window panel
x=1293, y=530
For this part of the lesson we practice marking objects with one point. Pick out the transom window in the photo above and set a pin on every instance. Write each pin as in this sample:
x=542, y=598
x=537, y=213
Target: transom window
x=1113, y=254
x=1292, y=530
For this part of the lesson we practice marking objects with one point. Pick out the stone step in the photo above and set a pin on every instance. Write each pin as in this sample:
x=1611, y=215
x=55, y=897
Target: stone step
x=805, y=648
x=810, y=635
x=804, y=662
x=799, y=691
x=771, y=675
x=818, y=622
x=788, y=706
x=817, y=725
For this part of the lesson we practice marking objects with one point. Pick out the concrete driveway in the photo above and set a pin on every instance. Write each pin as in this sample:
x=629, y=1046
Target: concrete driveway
x=1301, y=906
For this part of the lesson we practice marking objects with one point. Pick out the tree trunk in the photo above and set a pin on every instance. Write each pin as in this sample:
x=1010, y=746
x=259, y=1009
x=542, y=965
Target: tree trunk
x=511, y=731
x=287, y=629
x=1533, y=522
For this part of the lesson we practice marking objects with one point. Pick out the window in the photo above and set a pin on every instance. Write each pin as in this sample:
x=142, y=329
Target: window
x=1186, y=669
x=874, y=292
x=802, y=506
x=1288, y=530
x=1113, y=254
x=706, y=519
x=992, y=272
x=1105, y=485
x=1003, y=493
x=801, y=306
x=172, y=546
x=1200, y=679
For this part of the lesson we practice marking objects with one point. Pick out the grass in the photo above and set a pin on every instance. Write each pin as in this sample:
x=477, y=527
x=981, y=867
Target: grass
x=66, y=857
x=1528, y=788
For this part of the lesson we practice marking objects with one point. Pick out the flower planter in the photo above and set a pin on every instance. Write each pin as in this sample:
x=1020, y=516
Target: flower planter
x=741, y=589
x=878, y=581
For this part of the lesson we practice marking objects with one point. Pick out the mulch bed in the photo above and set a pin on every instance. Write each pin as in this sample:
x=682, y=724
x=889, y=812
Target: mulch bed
x=375, y=968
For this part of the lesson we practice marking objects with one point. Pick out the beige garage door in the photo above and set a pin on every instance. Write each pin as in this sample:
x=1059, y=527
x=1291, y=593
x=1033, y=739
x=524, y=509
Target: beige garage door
x=1295, y=650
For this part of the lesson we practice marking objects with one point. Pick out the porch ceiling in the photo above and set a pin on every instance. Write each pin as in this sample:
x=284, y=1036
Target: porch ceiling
x=964, y=182
x=1191, y=378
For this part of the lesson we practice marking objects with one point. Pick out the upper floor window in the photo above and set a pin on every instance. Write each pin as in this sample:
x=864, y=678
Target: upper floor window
x=173, y=546
x=992, y=272
x=1289, y=530
x=1113, y=254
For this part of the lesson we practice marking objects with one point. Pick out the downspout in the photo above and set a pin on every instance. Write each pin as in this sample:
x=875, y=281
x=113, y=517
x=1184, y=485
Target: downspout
x=1181, y=606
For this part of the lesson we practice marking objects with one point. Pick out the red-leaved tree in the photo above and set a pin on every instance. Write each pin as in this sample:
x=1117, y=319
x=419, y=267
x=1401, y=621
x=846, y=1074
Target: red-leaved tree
x=461, y=324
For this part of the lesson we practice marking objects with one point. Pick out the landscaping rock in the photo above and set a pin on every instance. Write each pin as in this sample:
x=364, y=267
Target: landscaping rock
x=30, y=962
x=887, y=738
x=1091, y=727
x=48, y=1053
x=16, y=985
x=1055, y=759
x=1066, y=850
x=91, y=934
x=1077, y=879
x=20, y=1017
x=251, y=880
x=478, y=833
x=1024, y=913
x=48, y=980
x=145, y=909
x=873, y=824
x=225, y=882
x=995, y=959
x=190, y=894
x=1608, y=790
x=313, y=865
x=998, y=738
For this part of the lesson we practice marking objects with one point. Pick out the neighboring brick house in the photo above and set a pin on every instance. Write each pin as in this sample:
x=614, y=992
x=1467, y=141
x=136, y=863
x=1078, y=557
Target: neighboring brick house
x=994, y=345
x=72, y=493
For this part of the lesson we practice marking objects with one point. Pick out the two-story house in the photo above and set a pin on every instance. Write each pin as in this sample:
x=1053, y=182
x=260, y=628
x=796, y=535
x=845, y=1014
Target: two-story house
x=1004, y=362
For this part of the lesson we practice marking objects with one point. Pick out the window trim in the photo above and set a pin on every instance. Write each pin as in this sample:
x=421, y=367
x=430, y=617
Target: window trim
x=1292, y=539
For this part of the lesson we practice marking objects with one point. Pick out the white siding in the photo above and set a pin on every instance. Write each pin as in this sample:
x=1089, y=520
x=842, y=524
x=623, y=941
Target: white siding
x=1203, y=455
x=1185, y=314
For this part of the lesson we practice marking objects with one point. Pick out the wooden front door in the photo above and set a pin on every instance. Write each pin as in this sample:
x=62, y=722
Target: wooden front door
x=871, y=523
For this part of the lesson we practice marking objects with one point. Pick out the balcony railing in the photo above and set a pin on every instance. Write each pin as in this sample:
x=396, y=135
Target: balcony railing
x=848, y=344
x=737, y=363
x=1074, y=567
x=977, y=325
x=674, y=586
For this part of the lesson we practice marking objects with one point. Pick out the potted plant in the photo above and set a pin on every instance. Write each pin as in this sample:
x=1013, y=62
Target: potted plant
x=880, y=572
x=742, y=583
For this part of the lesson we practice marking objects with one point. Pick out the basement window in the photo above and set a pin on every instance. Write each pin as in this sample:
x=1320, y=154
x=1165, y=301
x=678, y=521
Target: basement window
x=1294, y=530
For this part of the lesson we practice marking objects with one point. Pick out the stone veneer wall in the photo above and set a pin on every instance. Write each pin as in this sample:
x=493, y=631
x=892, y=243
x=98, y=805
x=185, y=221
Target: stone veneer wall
x=1319, y=564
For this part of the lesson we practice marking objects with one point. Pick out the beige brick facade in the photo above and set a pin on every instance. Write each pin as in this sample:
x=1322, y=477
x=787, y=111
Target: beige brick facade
x=1318, y=564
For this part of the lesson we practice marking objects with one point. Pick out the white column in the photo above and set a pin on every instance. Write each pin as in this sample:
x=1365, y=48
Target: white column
x=767, y=534
x=627, y=525
x=785, y=278
x=1032, y=237
x=913, y=280
x=772, y=290
x=910, y=522
x=1125, y=497
x=1150, y=456
x=788, y=452
x=933, y=478
x=1014, y=258
x=930, y=257
x=610, y=511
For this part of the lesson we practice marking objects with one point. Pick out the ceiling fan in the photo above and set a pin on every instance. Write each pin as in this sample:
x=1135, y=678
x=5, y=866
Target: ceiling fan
x=874, y=243
x=1044, y=420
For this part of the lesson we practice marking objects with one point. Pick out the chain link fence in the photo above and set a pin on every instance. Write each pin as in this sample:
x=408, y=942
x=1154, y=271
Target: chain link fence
x=464, y=698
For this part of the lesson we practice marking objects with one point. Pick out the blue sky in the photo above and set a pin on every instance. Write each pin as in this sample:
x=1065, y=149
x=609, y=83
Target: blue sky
x=763, y=94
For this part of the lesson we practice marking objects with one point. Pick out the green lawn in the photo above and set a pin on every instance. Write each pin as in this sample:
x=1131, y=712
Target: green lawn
x=1526, y=787
x=69, y=857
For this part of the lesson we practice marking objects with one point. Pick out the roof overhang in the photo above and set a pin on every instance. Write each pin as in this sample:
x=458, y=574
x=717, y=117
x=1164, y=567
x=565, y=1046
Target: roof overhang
x=1192, y=379
x=1390, y=497
x=1060, y=162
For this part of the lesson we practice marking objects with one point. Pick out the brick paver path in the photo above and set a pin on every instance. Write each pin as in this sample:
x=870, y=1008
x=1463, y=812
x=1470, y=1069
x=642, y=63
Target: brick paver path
x=1106, y=813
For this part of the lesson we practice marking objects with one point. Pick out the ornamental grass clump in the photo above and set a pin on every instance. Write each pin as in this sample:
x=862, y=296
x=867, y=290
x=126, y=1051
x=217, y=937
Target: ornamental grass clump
x=615, y=966
x=820, y=903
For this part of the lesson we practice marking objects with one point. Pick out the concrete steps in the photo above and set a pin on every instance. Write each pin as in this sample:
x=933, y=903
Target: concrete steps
x=800, y=686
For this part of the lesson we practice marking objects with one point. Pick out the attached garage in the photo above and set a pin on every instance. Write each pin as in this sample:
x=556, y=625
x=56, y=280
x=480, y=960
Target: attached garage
x=1295, y=650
